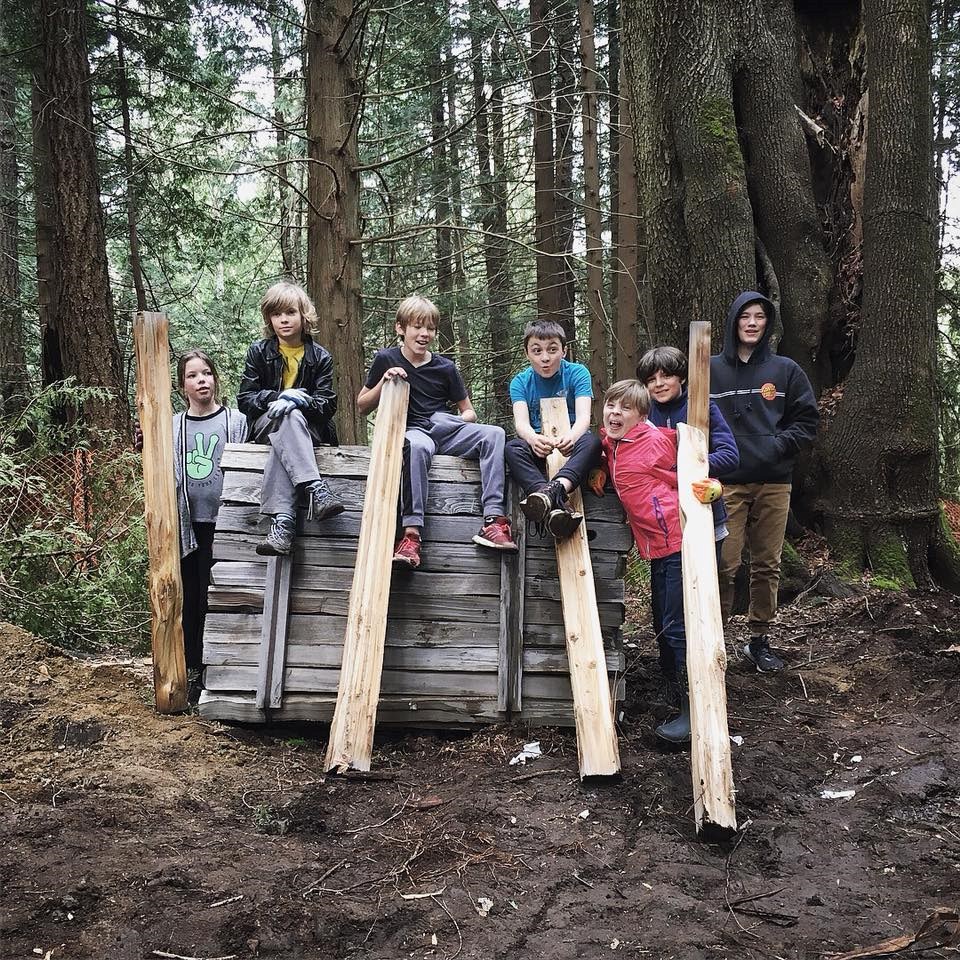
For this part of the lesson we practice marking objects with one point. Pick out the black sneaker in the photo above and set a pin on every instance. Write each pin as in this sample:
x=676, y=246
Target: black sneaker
x=538, y=504
x=758, y=652
x=563, y=521
x=321, y=503
x=279, y=541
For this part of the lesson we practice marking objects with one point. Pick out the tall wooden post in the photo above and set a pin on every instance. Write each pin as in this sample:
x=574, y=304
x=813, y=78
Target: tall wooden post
x=351, y=731
x=592, y=704
x=160, y=507
x=712, y=772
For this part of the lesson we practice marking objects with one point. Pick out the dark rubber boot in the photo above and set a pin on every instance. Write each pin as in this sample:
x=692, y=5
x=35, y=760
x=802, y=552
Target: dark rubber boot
x=677, y=730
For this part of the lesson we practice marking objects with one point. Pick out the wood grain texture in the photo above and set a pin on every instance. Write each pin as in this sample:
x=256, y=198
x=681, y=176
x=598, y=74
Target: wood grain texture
x=351, y=731
x=592, y=705
x=150, y=339
x=346, y=462
x=711, y=767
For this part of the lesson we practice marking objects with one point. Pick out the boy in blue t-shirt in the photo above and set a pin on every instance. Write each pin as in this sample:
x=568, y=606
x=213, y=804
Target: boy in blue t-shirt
x=549, y=375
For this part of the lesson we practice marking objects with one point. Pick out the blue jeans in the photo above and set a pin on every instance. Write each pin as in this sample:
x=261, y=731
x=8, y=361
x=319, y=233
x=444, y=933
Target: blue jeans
x=666, y=590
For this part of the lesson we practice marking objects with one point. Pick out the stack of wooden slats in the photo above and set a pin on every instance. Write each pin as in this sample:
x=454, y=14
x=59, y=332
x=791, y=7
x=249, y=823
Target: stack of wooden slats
x=455, y=653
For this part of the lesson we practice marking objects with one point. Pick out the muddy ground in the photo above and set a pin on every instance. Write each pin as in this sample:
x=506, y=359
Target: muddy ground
x=127, y=835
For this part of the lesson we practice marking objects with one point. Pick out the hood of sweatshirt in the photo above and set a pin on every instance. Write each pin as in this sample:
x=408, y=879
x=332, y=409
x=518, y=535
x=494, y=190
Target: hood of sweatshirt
x=730, y=341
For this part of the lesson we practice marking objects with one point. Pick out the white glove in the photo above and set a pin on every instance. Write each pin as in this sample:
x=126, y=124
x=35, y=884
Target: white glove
x=297, y=396
x=279, y=408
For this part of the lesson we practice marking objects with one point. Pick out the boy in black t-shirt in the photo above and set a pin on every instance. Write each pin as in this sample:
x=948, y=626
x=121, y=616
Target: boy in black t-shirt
x=435, y=382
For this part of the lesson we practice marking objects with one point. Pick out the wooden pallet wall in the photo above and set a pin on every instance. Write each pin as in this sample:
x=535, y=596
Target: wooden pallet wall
x=456, y=653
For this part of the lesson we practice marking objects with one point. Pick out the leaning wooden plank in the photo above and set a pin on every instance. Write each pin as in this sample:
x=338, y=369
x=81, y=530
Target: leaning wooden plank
x=592, y=705
x=160, y=511
x=273, y=633
x=345, y=462
x=711, y=768
x=351, y=731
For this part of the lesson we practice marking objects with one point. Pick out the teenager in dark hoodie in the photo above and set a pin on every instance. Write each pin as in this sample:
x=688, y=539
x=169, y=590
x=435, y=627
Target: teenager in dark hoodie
x=770, y=407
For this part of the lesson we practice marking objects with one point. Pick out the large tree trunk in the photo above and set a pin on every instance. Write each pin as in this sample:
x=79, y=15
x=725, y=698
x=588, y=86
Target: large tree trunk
x=880, y=451
x=45, y=220
x=564, y=26
x=123, y=93
x=440, y=180
x=599, y=357
x=13, y=372
x=333, y=218
x=778, y=174
x=88, y=338
x=489, y=127
x=544, y=185
x=285, y=207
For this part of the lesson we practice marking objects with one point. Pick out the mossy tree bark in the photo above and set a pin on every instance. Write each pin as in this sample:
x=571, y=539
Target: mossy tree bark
x=722, y=164
x=750, y=120
x=880, y=452
x=333, y=193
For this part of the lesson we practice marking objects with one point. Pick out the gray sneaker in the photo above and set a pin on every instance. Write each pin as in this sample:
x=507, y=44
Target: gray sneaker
x=279, y=541
x=321, y=503
x=758, y=652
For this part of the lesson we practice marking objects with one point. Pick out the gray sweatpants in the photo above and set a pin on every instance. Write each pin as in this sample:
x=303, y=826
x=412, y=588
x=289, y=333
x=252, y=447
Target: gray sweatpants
x=449, y=434
x=291, y=461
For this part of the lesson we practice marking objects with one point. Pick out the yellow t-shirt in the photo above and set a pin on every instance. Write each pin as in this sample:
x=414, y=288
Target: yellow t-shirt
x=291, y=364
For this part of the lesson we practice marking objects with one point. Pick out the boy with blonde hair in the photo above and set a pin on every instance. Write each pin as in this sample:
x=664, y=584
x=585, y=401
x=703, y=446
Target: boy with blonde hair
x=436, y=383
x=287, y=396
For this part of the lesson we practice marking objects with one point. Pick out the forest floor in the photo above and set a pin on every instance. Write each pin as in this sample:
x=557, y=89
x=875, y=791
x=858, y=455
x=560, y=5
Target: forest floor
x=128, y=835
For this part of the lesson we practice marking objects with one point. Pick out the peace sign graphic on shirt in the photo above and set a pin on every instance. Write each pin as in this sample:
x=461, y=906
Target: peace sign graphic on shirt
x=200, y=460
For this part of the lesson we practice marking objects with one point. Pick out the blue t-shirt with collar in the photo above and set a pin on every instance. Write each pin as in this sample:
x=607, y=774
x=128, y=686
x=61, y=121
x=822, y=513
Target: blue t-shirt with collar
x=572, y=380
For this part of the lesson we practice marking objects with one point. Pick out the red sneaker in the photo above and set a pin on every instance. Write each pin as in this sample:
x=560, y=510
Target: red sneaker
x=407, y=553
x=496, y=534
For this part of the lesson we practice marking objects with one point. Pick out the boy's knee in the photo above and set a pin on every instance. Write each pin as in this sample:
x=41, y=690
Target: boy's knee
x=493, y=436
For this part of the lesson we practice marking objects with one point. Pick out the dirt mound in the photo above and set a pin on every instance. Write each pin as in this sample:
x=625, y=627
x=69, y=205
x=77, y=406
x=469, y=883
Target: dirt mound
x=130, y=835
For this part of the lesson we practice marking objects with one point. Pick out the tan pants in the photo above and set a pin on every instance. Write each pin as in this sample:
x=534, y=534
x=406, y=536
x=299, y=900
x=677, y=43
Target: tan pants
x=756, y=512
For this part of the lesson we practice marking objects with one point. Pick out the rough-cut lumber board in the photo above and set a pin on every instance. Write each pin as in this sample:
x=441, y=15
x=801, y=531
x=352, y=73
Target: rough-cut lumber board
x=246, y=519
x=551, y=636
x=711, y=767
x=305, y=629
x=351, y=731
x=345, y=462
x=226, y=653
x=231, y=573
x=593, y=709
x=443, y=498
x=550, y=611
x=461, y=558
x=407, y=711
x=160, y=510
x=407, y=683
x=402, y=606
x=548, y=588
x=556, y=686
x=273, y=632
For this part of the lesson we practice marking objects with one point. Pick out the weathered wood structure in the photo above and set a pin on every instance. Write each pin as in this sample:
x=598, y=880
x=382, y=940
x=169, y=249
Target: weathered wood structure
x=472, y=636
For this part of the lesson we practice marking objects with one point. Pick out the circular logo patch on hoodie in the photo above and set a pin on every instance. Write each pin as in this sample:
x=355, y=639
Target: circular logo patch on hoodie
x=769, y=391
